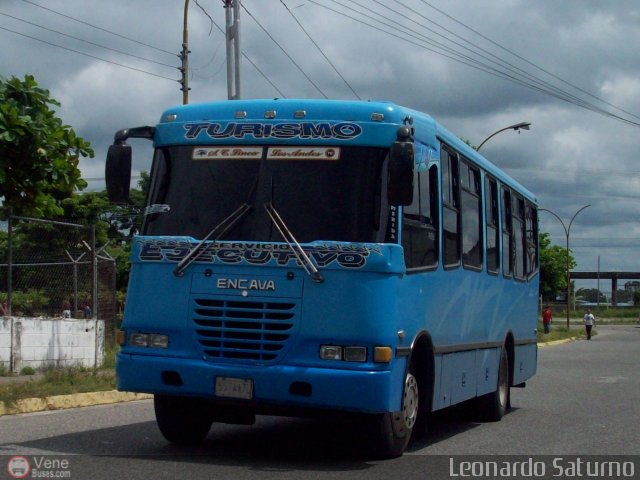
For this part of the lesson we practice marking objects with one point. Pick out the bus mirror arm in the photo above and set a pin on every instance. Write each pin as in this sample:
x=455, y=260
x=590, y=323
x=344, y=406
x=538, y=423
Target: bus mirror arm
x=118, y=165
x=401, y=165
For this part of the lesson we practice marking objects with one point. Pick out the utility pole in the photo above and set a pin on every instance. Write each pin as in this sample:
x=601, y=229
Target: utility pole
x=232, y=8
x=184, y=56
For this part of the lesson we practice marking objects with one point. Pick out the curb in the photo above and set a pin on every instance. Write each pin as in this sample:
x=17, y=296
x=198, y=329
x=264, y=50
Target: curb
x=60, y=402
x=557, y=342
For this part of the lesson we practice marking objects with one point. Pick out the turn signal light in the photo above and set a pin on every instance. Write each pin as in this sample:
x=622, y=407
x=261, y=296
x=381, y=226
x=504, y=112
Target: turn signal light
x=382, y=354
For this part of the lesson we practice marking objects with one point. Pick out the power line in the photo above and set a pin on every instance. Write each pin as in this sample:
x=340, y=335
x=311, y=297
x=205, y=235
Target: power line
x=264, y=75
x=417, y=37
x=566, y=96
x=285, y=52
x=87, y=55
x=440, y=49
x=501, y=63
x=87, y=41
x=97, y=27
x=527, y=61
x=320, y=50
x=539, y=85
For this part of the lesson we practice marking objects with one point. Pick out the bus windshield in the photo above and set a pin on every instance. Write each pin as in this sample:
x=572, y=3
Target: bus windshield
x=336, y=197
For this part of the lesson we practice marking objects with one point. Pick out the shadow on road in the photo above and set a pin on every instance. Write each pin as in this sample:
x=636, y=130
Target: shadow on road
x=272, y=444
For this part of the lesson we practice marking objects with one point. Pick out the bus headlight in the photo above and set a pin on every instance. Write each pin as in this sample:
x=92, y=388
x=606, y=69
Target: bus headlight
x=150, y=340
x=330, y=352
x=345, y=353
x=355, y=354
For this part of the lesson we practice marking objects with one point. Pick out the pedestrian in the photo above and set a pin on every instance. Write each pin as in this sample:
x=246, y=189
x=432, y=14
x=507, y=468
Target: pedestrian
x=66, y=310
x=547, y=317
x=589, y=322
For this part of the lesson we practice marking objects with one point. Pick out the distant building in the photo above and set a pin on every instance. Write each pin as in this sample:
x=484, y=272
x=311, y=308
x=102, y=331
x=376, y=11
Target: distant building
x=633, y=286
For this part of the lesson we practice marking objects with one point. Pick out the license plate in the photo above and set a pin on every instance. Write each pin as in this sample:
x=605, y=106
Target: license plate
x=234, y=388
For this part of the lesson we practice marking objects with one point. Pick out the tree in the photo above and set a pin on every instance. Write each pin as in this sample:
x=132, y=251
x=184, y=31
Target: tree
x=39, y=155
x=553, y=268
x=592, y=295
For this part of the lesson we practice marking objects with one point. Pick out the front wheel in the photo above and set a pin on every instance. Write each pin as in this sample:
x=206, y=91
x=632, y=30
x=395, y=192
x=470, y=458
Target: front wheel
x=390, y=432
x=183, y=420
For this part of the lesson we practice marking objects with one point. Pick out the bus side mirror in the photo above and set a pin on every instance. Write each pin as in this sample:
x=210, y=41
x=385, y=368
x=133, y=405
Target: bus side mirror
x=118, y=172
x=401, y=165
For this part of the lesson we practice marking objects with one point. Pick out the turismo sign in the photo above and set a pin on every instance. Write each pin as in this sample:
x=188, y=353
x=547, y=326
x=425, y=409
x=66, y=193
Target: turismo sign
x=312, y=130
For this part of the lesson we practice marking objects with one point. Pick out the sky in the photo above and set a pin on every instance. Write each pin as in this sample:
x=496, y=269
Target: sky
x=571, y=68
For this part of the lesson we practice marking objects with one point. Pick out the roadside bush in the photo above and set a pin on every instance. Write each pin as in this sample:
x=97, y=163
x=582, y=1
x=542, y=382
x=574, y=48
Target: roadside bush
x=31, y=303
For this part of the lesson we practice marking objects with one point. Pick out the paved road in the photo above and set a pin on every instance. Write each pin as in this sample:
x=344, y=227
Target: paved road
x=585, y=400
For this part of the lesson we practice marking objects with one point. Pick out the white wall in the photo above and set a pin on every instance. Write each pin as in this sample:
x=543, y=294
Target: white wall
x=38, y=342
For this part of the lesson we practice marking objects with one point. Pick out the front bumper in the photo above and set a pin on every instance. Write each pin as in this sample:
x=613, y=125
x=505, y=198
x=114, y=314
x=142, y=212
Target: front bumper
x=275, y=385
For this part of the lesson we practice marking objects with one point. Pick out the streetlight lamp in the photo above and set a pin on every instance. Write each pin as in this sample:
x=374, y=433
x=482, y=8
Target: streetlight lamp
x=517, y=127
x=567, y=231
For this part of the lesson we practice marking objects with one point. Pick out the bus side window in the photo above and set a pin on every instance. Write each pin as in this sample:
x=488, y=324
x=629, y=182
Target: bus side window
x=532, y=239
x=507, y=236
x=492, y=226
x=471, y=214
x=450, y=209
x=517, y=215
x=420, y=222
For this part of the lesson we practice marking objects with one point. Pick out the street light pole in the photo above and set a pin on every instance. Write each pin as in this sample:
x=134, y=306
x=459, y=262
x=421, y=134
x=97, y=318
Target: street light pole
x=517, y=127
x=567, y=231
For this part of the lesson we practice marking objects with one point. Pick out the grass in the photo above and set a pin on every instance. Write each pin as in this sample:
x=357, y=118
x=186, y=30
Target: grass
x=64, y=381
x=59, y=381
x=560, y=332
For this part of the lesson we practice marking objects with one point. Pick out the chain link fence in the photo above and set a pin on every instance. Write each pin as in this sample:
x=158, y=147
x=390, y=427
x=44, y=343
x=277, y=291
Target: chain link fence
x=55, y=269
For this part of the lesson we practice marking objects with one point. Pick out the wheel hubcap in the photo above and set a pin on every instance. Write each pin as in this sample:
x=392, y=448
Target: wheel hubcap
x=410, y=401
x=502, y=386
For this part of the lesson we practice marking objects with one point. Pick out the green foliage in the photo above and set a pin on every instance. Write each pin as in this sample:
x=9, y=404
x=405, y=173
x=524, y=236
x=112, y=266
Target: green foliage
x=636, y=298
x=553, y=267
x=591, y=295
x=39, y=155
x=27, y=371
x=31, y=303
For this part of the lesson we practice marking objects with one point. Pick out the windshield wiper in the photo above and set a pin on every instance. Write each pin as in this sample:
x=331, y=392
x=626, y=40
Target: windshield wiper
x=295, y=247
x=224, y=226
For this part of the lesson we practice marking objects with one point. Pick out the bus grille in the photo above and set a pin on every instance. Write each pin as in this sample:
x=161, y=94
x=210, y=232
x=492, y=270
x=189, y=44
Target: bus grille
x=249, y=330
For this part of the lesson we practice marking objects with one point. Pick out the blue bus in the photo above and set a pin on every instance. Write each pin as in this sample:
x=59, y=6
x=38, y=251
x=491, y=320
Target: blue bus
x=313, y=257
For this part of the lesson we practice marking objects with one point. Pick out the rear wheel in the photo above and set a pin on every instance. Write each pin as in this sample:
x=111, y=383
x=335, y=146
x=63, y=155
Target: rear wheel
x=183, y=420
x=493, y=406
x=390, y=432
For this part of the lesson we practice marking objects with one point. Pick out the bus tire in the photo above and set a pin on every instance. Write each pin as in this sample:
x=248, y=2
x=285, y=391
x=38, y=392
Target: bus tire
x=494, y=405
x=182, y=420
x=390, y=432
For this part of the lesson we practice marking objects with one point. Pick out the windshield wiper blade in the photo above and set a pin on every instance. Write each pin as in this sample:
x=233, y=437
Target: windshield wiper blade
x=295, y=247
x=224, y=226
